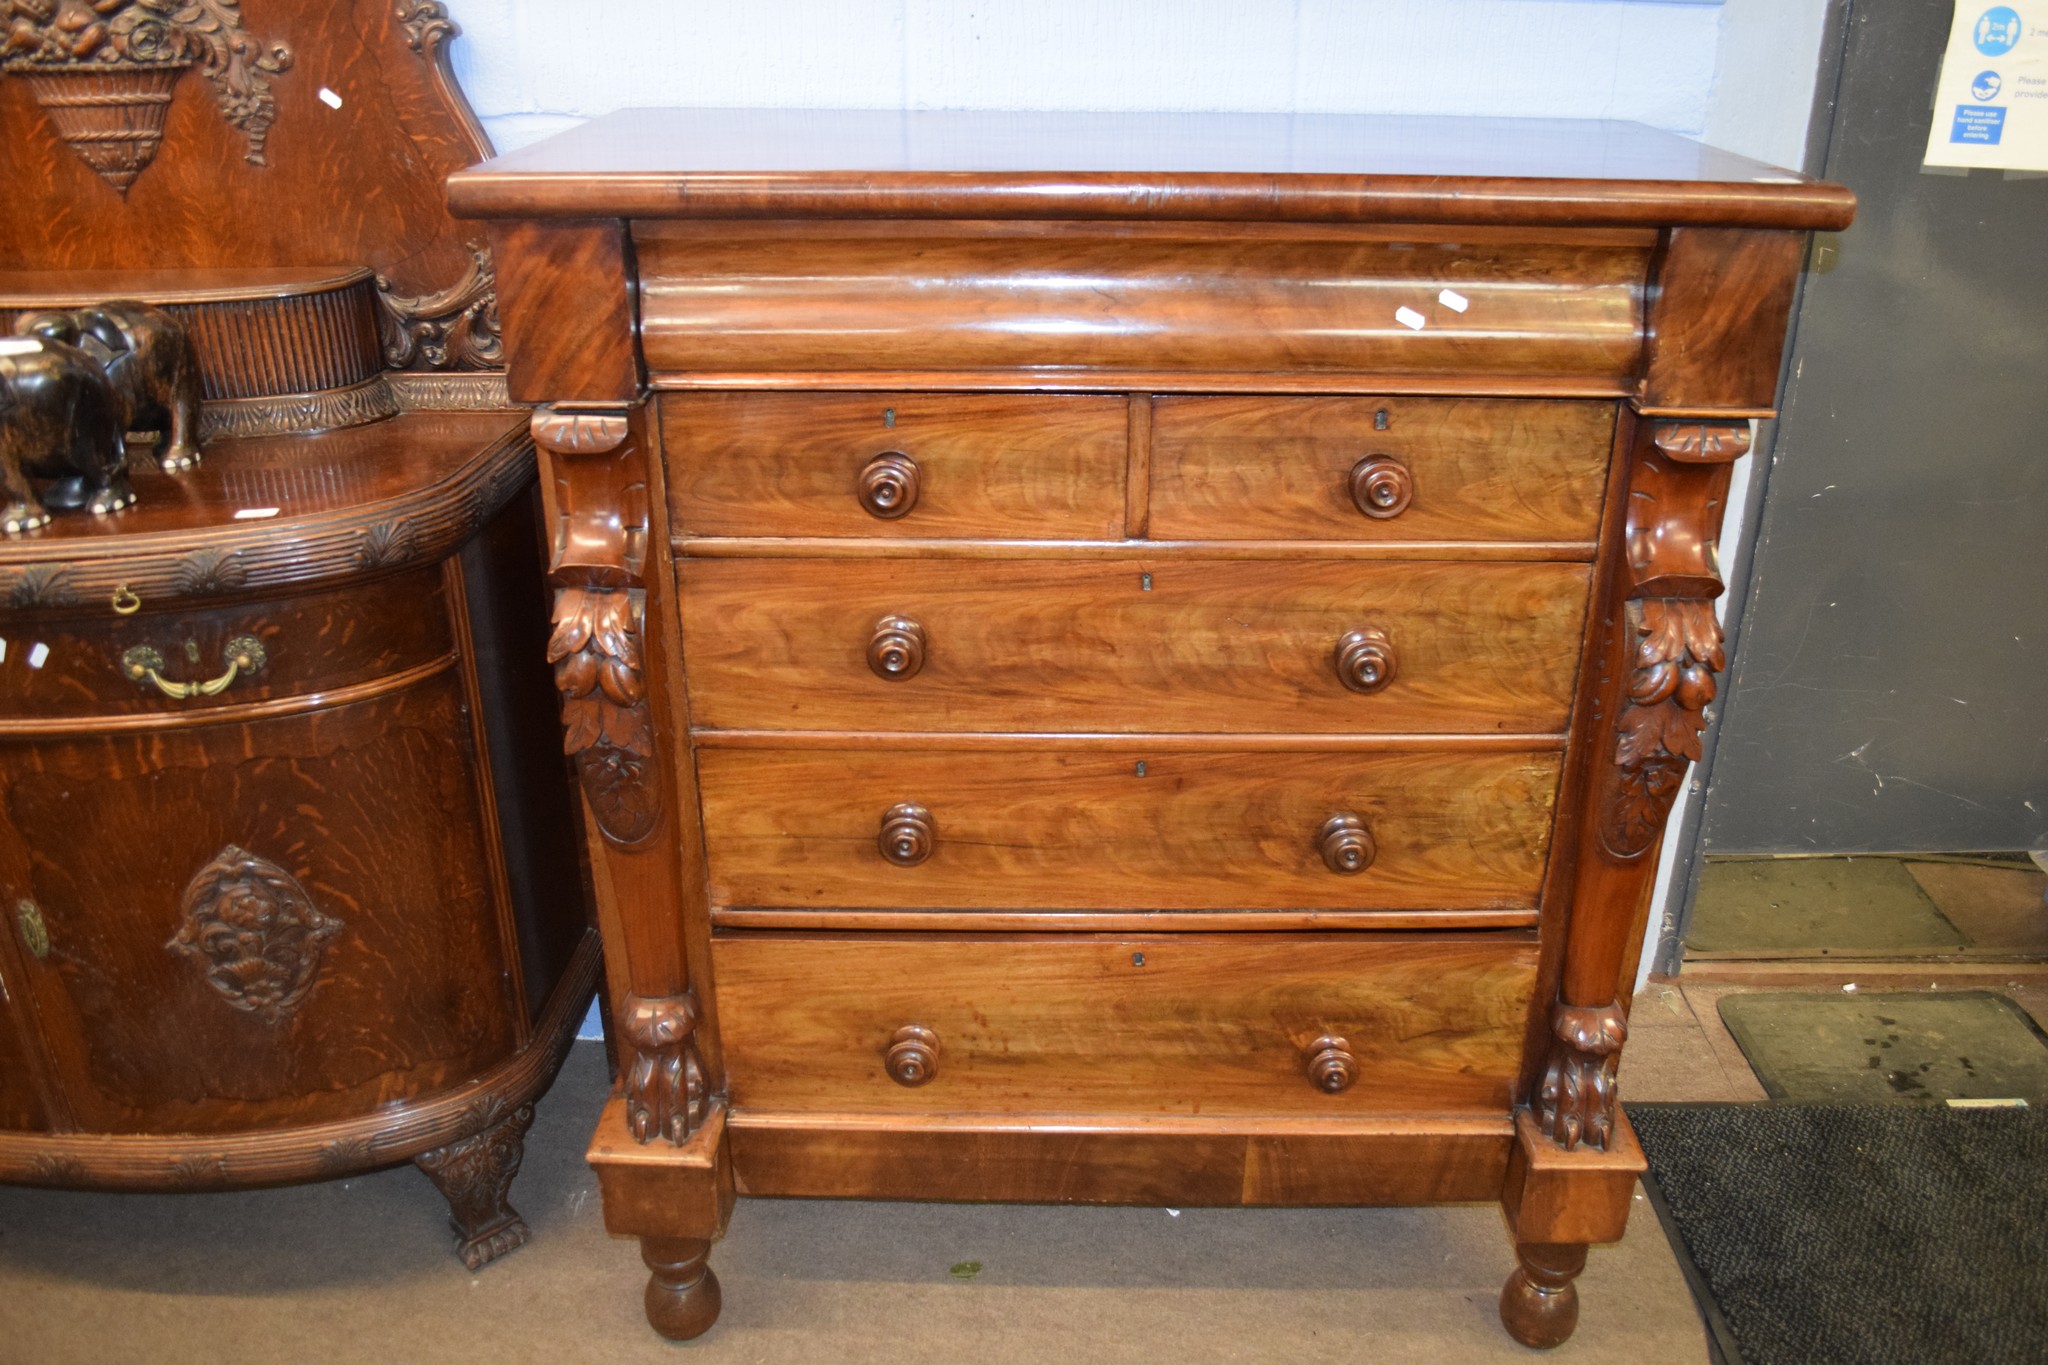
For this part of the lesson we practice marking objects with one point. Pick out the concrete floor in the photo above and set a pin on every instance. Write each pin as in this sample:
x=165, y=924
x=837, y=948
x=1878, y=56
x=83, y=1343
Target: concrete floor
x=359, y=1270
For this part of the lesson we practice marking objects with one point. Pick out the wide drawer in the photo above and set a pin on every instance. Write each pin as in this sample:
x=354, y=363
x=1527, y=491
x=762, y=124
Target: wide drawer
x=315, y=643
x=1104, y=645
x=896, y=465
x=1388, y=469
x=1147, y=828
x=1160, y=1024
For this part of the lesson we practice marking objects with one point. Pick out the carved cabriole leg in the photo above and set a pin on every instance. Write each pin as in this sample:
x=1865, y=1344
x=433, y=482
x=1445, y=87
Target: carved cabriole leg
x=682, y=1292
x=475, y=1176
x=1662, y=652
x=659, y=1150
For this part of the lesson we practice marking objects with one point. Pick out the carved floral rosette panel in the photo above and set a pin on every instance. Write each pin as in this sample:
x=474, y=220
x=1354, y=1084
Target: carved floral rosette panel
x=666, y=1094
x=250, y=927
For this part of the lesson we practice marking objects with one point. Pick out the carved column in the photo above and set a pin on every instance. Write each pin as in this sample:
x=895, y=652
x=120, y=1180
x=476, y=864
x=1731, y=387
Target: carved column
x=617, y=722
x=1659, y=661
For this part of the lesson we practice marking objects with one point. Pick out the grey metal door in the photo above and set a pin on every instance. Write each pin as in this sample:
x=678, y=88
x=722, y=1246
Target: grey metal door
x=1890, y=686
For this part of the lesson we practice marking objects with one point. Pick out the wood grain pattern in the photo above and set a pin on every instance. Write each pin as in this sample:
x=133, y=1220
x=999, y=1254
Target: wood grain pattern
x=1063, y=829
x=1212, y=646
x=1483, y=469
x=1128, y=1159
x=356, y=803
x=1076, y=297
x=789, y=464
x=315, y=642
x=1168, y=1024
x=1717, y=320
x=566, y=311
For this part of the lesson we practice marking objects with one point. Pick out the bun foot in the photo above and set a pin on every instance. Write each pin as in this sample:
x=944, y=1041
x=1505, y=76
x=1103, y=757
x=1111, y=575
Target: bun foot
x=1539, y=1305
x=682, y=1293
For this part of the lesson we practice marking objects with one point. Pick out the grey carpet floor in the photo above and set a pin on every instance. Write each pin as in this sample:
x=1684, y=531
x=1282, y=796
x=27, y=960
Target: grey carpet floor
x=359, y=1271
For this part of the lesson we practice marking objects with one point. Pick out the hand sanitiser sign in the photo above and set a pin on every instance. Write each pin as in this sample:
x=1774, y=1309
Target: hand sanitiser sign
x=1991, y=103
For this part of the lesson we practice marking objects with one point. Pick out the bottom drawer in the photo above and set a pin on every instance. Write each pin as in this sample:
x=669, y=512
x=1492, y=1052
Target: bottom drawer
x=1158, y=1024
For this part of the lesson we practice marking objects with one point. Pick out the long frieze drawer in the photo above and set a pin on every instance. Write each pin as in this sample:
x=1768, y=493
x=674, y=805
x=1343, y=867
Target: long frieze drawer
x=1166, y=1024
x=896, y=465
x=1187, y=645
x=1067, y=827
x=160, y=665
x=1449, y=469
x=1078, y=303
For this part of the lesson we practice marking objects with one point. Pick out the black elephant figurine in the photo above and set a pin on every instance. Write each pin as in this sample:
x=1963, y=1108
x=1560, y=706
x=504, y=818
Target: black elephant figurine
x=150, y=362
x=59, y=419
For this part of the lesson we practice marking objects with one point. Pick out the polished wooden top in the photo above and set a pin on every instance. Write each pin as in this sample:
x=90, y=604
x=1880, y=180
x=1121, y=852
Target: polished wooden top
x=712, y=163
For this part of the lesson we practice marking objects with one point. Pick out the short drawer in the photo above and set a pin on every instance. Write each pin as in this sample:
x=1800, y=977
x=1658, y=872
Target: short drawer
x=896, y=465
x=1389, y=469
x=318, y=642
x=1067, y=827
x=1160, y=1024
x=1326, y=646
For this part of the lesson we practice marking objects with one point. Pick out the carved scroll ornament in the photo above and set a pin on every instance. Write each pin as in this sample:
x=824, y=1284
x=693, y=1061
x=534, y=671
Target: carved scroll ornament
x=454, y=329
x=1576, y=1101
x=251, y=927
x=103, y=70
x=665, y=1091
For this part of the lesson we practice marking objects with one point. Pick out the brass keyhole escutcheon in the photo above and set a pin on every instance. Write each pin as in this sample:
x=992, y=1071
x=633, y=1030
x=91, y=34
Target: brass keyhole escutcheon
x=35, y=935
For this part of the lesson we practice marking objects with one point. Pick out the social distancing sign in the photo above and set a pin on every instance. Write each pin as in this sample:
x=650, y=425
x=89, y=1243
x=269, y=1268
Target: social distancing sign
x=1991, y=102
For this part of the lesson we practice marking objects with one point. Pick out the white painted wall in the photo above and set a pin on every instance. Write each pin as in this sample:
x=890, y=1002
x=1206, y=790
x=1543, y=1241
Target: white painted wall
x=1738, y=74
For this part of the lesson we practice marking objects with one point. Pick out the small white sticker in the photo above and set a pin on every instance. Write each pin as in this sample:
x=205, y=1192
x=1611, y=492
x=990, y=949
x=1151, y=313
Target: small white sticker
x=3, y=651
x=19, y=346
x=38, y=654
x=1453, y=300
x=255, y=513
x=1777, y=180
x=329, y=98
x=1408, y=317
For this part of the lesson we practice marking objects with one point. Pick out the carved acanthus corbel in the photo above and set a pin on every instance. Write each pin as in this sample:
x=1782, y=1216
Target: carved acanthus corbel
x=1673, y=640
x=600, y=547
x=665, y=1091
x=1575, y=1103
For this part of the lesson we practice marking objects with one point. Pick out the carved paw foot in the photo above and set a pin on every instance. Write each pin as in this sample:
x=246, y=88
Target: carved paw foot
x=1539, y=1305
x=178, y=459
x=475, y=1176
x=682, y=1293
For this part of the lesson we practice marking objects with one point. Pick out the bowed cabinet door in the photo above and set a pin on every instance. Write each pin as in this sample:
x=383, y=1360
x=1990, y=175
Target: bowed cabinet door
x=276, y=921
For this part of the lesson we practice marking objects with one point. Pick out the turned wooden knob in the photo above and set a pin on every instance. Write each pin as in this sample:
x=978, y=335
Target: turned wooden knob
x=896, y=650
x=1331, y=1067
x=1382, y=486
x=907, y=835
x=913, y=1056
x=1366, y=660
x=1346, y=844
x=888, y=485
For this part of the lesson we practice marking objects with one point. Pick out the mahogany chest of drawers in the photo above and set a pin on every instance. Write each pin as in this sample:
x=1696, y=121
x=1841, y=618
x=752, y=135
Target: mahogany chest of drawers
x=1132, y=659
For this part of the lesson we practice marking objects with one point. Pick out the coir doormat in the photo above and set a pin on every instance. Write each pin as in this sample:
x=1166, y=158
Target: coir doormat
x=1860, y=1234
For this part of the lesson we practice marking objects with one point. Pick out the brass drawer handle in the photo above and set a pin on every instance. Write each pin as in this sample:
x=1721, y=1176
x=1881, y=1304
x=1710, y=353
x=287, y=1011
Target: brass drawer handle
x=888, y=485
x=1382, y=487
x=896, y=650
x=1346, y=844
x=243, y=655
x=907, y=834
x=913, y=1056
x=1366, y=661
x=1331, y=1067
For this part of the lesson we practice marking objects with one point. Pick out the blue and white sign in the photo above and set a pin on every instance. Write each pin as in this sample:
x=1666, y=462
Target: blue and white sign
x=1993, y=116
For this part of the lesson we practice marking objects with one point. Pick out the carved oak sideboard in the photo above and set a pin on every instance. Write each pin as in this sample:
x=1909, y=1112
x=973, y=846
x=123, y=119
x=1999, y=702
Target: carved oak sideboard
x=290, y=872
x=1132, y=659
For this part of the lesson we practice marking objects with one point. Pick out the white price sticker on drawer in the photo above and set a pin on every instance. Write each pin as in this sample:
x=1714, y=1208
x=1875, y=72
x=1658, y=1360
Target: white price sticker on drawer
x=1410, y=319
